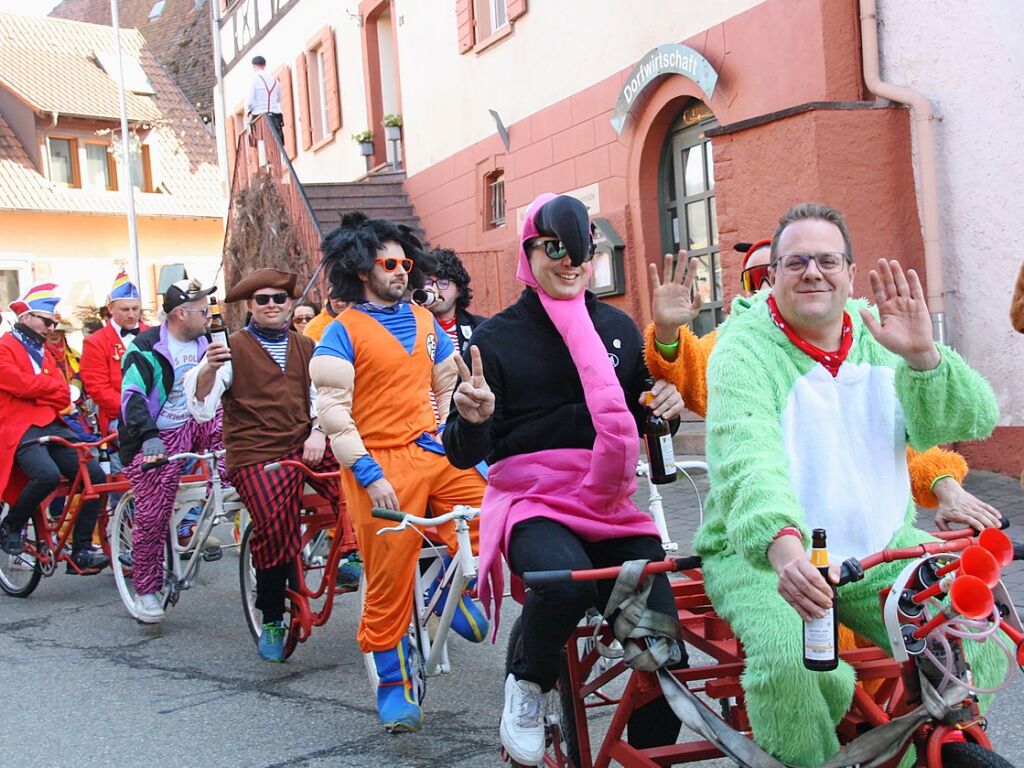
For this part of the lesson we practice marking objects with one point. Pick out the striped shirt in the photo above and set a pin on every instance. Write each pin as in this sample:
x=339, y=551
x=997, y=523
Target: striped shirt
x=278, y=350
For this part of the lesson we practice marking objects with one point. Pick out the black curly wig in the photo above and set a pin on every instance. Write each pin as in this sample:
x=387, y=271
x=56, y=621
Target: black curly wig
x=353, y=248
x=450, y=267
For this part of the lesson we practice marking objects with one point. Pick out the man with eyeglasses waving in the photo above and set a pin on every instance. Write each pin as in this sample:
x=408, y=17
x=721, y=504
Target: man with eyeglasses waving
x=156, y=423
x=33, y=394
x=374, y=371
x=812, y=398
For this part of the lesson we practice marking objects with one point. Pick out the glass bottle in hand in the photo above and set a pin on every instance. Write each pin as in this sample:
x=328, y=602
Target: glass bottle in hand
x=661, y=458
x=821, y=636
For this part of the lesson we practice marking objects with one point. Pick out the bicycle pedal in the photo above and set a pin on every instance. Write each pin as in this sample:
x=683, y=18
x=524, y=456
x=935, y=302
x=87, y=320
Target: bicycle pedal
x=212, y=554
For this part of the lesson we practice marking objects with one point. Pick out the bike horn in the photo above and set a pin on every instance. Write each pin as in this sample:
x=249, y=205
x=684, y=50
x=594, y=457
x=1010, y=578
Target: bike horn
x=969, y=597
x=977, y=561
x=998, y=543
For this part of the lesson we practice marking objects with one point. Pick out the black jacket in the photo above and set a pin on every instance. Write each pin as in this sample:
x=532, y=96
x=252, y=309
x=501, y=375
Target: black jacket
x=465, y=324
x=539, y=401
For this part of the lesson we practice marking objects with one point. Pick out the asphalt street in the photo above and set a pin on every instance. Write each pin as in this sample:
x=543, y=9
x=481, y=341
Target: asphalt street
x=86, y=686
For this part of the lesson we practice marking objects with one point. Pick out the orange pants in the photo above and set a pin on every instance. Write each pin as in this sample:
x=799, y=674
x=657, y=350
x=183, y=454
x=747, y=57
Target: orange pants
x=420, y=478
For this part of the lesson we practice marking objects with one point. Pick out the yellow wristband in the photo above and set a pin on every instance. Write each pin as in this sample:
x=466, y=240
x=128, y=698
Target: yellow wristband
x=936, y=481
x=667, y=349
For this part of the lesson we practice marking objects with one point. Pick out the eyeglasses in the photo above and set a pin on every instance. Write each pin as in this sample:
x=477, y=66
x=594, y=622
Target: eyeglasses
x=556, y=251
x=205, y=311
x=390, y=265
x=829, y=263
x=441, y=284
x=301, y=319
x=753, y=278
x=49, y=322
x=264, y=298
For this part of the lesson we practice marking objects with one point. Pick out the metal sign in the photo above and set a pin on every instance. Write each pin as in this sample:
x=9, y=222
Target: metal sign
x=664, y=60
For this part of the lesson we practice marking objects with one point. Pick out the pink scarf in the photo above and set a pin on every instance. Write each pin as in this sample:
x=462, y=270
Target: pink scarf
x=587, y=491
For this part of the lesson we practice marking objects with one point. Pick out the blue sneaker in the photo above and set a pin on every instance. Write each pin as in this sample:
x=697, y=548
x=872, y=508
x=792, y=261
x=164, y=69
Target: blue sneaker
x=271, y=645
x=397, y=707
x=350, y=570
x=468, y=621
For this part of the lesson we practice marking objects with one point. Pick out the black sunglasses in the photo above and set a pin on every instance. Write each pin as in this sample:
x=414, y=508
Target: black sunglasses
x=264, y=298
x=47, y=321
x=556, y=251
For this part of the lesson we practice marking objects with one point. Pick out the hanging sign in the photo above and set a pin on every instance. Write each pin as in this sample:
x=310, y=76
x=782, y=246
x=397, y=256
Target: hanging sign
x=670, y=59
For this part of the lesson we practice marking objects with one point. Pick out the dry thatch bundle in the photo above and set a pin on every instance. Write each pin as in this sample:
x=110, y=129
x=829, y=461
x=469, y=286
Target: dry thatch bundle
x=260, y=235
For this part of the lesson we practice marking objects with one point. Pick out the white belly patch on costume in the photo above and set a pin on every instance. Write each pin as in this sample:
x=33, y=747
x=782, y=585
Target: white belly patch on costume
x=846, y=442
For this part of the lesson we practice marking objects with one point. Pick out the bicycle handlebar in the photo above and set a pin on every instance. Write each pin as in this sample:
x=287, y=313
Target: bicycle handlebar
x=274, y=466
x=147, y=466
x=459, y=512
x=545, y=578
x=82, y=446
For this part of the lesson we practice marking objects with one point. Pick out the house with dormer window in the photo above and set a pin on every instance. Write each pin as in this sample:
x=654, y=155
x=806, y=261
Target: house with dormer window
x=63, y=176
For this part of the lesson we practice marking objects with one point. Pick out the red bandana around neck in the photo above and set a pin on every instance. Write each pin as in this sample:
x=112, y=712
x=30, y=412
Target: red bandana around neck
x=831, y=360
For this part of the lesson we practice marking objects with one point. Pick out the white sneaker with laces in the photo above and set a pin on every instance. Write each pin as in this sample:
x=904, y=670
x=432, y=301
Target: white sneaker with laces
x=522, y=721
x=148, y=609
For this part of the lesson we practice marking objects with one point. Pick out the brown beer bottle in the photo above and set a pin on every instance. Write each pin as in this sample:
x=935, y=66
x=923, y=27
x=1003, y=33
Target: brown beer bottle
x=661, y=458
x=218, y=328
x=821, y=636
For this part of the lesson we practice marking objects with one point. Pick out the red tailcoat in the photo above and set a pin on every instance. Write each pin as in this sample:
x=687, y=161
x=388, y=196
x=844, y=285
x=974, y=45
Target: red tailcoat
x=100, y=369
x=27, y=399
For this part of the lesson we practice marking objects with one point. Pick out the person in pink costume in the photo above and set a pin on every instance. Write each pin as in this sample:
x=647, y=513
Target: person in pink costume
x=551, y=398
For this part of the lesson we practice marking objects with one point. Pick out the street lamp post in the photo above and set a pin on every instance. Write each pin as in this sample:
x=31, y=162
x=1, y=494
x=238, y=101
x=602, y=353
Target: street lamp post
x=133, y=235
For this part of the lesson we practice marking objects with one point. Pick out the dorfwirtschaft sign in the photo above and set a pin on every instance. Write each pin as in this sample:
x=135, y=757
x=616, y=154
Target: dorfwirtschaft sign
x=671, y=59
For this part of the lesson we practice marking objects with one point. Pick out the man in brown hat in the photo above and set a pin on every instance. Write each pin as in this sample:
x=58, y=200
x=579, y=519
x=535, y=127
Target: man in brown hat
x=269, y=415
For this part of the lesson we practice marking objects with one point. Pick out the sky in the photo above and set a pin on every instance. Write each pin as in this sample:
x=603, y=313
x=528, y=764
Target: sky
x=28, y=7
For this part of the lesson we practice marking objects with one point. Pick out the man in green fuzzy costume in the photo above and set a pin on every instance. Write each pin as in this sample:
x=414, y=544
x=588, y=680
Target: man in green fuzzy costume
x=812, y=400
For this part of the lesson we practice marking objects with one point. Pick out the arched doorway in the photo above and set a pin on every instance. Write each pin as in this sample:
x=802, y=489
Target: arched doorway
x=689, y=219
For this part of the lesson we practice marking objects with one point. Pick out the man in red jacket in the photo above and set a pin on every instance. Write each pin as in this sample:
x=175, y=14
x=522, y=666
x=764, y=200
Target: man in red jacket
x=103, y=350
x=33, y=392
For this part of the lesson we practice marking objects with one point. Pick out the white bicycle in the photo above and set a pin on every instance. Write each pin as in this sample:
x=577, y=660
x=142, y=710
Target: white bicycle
x=428, y=633
x=181, y=559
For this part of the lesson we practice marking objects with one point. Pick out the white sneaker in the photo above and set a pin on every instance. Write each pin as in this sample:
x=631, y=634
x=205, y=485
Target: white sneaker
x=148, y=609
x=522, y=721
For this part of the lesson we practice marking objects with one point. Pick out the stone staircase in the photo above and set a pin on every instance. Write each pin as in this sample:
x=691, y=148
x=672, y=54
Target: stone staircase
x=380, y=195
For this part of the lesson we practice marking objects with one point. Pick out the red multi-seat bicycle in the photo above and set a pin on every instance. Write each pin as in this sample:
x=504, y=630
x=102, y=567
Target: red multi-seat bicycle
x=924, y=697
x=46, y=537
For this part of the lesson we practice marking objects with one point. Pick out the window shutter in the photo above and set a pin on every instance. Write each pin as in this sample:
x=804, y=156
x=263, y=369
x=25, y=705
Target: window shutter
x=331, y=81
x=303, y=84
x=284, y=79
x=516, y=8
x=466, y=24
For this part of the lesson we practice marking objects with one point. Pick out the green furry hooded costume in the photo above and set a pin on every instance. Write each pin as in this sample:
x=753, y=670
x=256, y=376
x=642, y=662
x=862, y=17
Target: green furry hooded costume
x=789, y=445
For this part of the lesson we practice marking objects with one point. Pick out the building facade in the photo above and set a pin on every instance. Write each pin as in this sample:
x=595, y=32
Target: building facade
x=63, y=207
x=682, y=125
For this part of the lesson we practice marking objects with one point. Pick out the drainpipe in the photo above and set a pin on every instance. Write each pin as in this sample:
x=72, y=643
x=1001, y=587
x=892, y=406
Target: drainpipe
x=922, y=117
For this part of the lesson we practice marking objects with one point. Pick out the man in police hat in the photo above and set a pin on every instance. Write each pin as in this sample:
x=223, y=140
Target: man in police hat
x=269, y=415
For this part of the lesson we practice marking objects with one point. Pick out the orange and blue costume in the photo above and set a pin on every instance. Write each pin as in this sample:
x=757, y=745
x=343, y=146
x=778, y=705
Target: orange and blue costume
x=374, y=370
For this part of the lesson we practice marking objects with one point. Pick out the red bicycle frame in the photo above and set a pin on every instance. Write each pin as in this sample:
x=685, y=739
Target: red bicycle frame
x=704, y=630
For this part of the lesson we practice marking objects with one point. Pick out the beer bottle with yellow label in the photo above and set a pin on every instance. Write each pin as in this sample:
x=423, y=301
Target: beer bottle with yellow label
x=218, y=328
x=821, y=636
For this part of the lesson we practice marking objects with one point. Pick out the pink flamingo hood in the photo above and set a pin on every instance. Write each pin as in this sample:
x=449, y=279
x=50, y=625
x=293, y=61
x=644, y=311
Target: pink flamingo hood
x=588, y=491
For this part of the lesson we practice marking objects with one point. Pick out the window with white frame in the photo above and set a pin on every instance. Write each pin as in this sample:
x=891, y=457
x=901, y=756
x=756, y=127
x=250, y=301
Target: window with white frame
x=63, y=160
x=317, y=86
x=499, y=14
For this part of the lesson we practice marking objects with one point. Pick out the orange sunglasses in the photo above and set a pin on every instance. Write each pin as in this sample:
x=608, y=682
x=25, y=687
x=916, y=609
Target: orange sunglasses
x=390, y=265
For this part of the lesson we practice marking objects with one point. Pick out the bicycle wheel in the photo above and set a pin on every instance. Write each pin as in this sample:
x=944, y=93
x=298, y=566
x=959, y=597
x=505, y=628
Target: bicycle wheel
x=20, y=574
x=560, y=719
x=247, y=582
x=121, y=527
x=966, y=755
